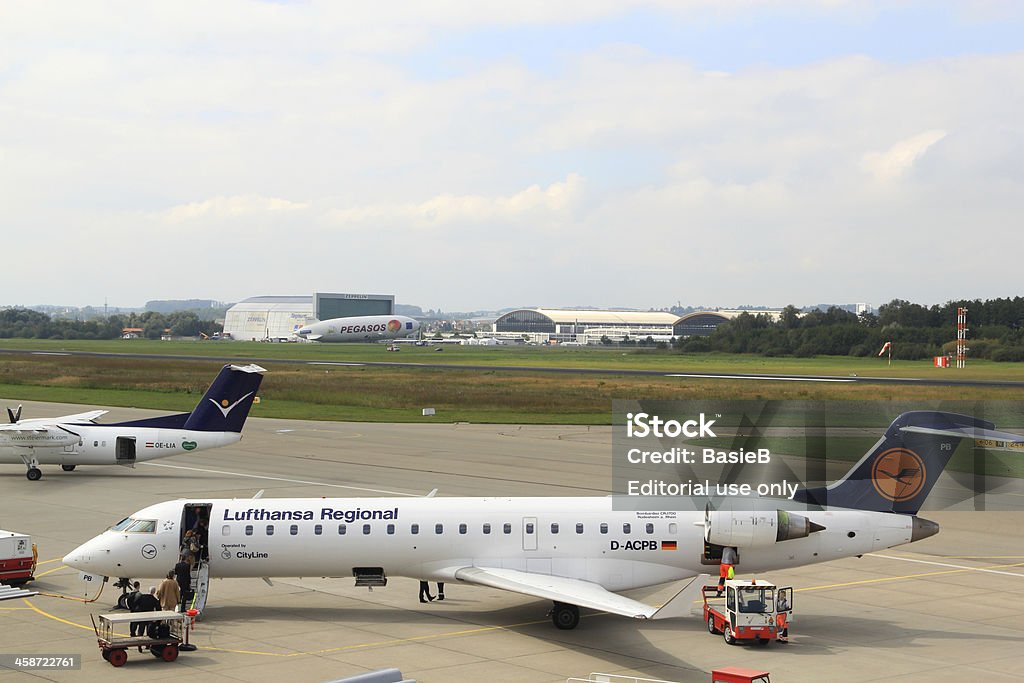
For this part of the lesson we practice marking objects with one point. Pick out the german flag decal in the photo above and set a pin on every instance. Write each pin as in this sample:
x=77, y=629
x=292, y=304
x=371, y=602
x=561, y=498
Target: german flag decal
x=668, y=545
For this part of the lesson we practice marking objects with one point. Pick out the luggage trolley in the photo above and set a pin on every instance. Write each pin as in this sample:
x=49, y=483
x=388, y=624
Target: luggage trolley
x=167, y=633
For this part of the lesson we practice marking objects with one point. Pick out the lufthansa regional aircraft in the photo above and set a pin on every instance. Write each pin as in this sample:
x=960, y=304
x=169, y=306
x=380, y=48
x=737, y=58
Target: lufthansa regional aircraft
x=576, y=552
x=74, y=440
x=359, y=329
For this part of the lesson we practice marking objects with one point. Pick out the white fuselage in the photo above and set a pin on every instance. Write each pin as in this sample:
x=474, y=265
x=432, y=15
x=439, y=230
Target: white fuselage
x=87, y=444
x=360, y=329
x=432, y=538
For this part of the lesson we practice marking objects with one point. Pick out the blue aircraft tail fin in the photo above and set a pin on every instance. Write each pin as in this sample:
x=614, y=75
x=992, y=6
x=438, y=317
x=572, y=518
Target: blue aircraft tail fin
x=226, y=404
x=899, y=471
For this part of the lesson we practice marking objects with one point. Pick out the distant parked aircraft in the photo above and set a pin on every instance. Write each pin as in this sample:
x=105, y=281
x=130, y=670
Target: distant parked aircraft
x=74, y=440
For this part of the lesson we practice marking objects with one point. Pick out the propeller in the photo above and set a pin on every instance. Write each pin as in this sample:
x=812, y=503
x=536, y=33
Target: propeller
x=14, y=416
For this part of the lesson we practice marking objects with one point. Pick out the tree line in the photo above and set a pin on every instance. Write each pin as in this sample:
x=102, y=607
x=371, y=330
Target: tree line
x=29, y=324
x=995, y=331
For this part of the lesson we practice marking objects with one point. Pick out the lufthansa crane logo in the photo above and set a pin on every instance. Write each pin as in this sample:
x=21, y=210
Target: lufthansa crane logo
x=898, y=474
x=149, y=551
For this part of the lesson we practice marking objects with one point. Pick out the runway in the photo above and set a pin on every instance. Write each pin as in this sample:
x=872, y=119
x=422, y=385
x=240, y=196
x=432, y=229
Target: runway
x=945, y=609
x=762, y=377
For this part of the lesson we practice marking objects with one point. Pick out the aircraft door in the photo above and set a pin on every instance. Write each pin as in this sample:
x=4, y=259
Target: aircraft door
x=124, y=450
x=529, y=533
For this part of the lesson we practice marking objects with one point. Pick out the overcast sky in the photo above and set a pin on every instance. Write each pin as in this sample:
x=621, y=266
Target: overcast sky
x=464, y=154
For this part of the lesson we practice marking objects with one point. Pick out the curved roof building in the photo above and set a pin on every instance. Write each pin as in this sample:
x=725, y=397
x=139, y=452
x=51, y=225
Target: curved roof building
x=279, y=317
x=268, y=317
x=589, y=326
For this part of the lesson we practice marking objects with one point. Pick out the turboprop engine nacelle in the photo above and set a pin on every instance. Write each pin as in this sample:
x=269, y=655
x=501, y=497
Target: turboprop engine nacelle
x=755, y=529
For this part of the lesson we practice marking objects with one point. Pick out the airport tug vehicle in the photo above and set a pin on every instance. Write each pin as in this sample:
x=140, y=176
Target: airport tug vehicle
x=749, y=610
x=18, y=555
x=166, y=633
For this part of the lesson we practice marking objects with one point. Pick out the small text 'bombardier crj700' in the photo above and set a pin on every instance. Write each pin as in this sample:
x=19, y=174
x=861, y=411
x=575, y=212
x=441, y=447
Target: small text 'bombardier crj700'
x=359, y=329
x=74, y=440
x=576, y=552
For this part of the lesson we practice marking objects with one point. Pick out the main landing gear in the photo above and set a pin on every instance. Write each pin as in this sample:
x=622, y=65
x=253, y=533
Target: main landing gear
x=32, y=463
x=565, y=616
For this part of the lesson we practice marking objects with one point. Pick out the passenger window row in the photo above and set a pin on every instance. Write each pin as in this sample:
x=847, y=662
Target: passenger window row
x=414, y=529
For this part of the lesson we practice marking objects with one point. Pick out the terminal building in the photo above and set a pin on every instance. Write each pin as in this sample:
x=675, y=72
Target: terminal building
x=544, y=325
x=278, y=317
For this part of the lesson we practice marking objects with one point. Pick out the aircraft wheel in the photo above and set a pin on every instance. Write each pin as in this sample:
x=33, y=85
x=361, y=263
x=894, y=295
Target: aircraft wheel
x=118, y=657
x=565, y=616
x=170, y=653
x=34, y=474
x=68, y=468
x=727, y=634
x=711, y=624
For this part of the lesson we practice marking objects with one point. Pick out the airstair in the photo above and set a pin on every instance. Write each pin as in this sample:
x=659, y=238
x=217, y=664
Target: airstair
x=200, y=586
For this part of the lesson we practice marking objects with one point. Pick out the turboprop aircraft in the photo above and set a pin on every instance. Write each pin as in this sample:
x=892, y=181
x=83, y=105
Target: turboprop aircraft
x=577, y=552
x=74, y=440
x=359, y=329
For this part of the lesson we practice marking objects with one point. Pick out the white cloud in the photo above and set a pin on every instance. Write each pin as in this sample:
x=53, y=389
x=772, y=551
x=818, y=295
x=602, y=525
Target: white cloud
x=229, y=207
x=289, y=135
x=899, y=158
x=531, y=203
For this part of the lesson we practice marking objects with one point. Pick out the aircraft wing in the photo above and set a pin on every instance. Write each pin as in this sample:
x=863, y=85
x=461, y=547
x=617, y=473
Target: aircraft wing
x=581, y=593
x=22, y=427
x=90, y=416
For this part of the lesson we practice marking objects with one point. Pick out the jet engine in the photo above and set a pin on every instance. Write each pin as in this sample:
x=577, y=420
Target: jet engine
x=755, y=528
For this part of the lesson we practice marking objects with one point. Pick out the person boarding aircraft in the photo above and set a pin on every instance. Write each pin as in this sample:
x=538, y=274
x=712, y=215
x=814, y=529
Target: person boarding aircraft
x=74, y=440
x=576, y=552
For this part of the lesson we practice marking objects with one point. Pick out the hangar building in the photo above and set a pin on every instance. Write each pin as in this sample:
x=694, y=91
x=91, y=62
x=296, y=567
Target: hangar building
x=277, y=317
x=542, y=325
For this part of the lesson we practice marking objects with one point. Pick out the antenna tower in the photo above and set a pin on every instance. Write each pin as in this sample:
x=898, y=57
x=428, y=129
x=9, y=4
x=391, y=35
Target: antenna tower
x=961, y=337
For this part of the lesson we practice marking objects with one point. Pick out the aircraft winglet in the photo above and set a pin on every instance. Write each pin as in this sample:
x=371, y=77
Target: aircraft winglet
x=681, y=604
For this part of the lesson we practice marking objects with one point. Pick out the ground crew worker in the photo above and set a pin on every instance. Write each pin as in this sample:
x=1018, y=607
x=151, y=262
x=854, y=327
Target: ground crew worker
x=783, y=601
x=425, y=590
x=725, y=570
x=440, y=590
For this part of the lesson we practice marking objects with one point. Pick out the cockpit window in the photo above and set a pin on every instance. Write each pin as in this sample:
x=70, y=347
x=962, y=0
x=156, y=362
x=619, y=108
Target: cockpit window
x=120, y=526
x=142, y=526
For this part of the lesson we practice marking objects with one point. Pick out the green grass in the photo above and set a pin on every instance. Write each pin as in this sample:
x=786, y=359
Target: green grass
x=398, y=394
x=536, y=356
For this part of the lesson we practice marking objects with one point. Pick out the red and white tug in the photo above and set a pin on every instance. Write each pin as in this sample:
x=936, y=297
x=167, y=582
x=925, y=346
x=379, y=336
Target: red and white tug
x=749, y=610
x=17, y=558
